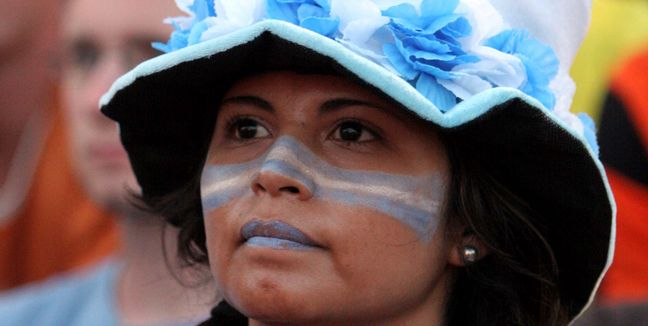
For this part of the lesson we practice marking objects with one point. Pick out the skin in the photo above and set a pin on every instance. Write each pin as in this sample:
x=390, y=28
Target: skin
x=103, y=40
x=28, y=42
x=366, y=266
x=20, y=20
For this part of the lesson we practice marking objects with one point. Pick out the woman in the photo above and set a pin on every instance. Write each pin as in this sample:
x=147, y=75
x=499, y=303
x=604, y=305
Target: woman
x=375, y=162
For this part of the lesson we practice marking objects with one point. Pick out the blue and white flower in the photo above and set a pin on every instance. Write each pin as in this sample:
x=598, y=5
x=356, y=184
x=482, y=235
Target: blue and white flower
x=232, y=15
x=441, y=47
x=540, y=62
x=494, y=68
x=188, y=30
x=363, y=28
x=314, y=15
x=449, y=50
x=427, y=46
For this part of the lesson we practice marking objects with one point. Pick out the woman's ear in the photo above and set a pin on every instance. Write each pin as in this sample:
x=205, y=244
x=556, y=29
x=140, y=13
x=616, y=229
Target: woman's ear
x=467, y=250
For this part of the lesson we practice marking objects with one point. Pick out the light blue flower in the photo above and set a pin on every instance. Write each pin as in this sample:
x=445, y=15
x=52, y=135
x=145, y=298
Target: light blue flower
x=203, y=9
x=539, y=60
x=188, y=30
x=314, y=15
x=426, y=46
x=589, y=131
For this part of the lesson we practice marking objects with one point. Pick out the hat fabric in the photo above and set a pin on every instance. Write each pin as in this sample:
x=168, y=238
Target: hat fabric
x=466, y=66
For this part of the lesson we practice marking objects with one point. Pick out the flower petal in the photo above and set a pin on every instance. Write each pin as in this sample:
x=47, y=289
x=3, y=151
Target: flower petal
x=196, y=32
x=499, y=68
x=405, y=11
x=401, y=65
x=359, y=19
x=308, y=10
x=540, y=62
x=432, y=68
x=437, y=94
x=241, y=13
x=464, y=85
x=284, y=12
x=436, y=8
x=323, y=26
x=177, y=40
x=589, y=131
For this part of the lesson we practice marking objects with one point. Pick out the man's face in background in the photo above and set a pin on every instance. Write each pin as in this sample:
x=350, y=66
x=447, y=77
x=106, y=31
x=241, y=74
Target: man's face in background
x=103, y=40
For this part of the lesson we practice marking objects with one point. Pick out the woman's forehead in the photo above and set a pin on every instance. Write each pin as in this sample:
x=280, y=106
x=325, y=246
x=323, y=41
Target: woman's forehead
x=273, y=81
x=277, y=87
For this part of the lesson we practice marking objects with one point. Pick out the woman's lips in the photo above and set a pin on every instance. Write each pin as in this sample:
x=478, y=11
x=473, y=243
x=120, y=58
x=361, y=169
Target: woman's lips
x=275, y=234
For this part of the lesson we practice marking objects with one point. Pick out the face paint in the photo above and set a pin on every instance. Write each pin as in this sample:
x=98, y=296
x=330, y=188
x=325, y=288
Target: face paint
x=413, y=200
x=275, y=234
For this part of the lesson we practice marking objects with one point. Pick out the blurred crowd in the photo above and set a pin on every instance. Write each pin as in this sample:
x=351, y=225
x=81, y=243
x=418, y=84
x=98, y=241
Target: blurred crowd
x=74, y=247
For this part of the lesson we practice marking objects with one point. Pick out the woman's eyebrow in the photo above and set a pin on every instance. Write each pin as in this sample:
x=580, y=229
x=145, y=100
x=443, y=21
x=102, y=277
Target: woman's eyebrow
x=249, y=100
x=338, y=103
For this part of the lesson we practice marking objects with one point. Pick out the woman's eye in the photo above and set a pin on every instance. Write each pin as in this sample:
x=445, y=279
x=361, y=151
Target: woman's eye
x=352, y=131
x=249, y=129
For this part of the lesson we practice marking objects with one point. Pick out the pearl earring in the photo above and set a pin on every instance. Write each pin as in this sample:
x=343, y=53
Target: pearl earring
x=470, y=255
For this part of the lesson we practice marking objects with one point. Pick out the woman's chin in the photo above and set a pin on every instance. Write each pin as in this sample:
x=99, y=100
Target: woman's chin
x=270, y=300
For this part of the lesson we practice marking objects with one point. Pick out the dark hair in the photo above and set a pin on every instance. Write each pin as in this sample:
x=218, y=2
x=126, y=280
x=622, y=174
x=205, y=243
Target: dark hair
x=515, y=284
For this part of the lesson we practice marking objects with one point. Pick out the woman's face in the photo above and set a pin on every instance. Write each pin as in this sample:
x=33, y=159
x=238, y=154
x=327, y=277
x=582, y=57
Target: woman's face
x=322, y=202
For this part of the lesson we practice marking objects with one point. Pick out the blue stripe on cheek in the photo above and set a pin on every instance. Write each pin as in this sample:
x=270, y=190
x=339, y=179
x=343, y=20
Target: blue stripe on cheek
x=413, y=200
x=213, y=201
x=422, y=220
x=223, y=183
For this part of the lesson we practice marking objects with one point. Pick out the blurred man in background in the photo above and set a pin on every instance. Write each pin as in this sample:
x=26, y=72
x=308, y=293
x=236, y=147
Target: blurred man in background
x=140, y=285
x=47, y=225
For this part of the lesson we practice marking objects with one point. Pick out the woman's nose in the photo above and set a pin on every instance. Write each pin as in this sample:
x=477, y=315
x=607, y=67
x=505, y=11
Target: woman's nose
x=277, y=178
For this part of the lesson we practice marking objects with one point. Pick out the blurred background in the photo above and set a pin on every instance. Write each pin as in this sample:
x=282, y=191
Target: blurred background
x=611, y=74
x=74, y=250
x=59, y=215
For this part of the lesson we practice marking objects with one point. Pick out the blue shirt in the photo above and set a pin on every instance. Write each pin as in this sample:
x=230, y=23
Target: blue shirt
x=82, y=298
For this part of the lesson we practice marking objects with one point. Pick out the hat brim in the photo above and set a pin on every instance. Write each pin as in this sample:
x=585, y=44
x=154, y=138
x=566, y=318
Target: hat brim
x=166, y=109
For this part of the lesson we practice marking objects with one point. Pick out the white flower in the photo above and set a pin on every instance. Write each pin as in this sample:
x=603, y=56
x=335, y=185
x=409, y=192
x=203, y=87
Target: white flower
x=484, y=19
x=232, y=15
x=359, y=19
x=494, y=68
x=184, y=22
x=385, y=4
x=564, y=88
x=184, y=5
x=360, y=27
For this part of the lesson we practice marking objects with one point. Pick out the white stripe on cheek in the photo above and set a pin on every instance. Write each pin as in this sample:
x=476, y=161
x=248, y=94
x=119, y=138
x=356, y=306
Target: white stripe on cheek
x=412, y=200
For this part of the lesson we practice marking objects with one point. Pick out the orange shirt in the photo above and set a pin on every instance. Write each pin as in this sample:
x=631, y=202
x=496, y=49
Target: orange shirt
x=57, y=228
x=627, y=279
